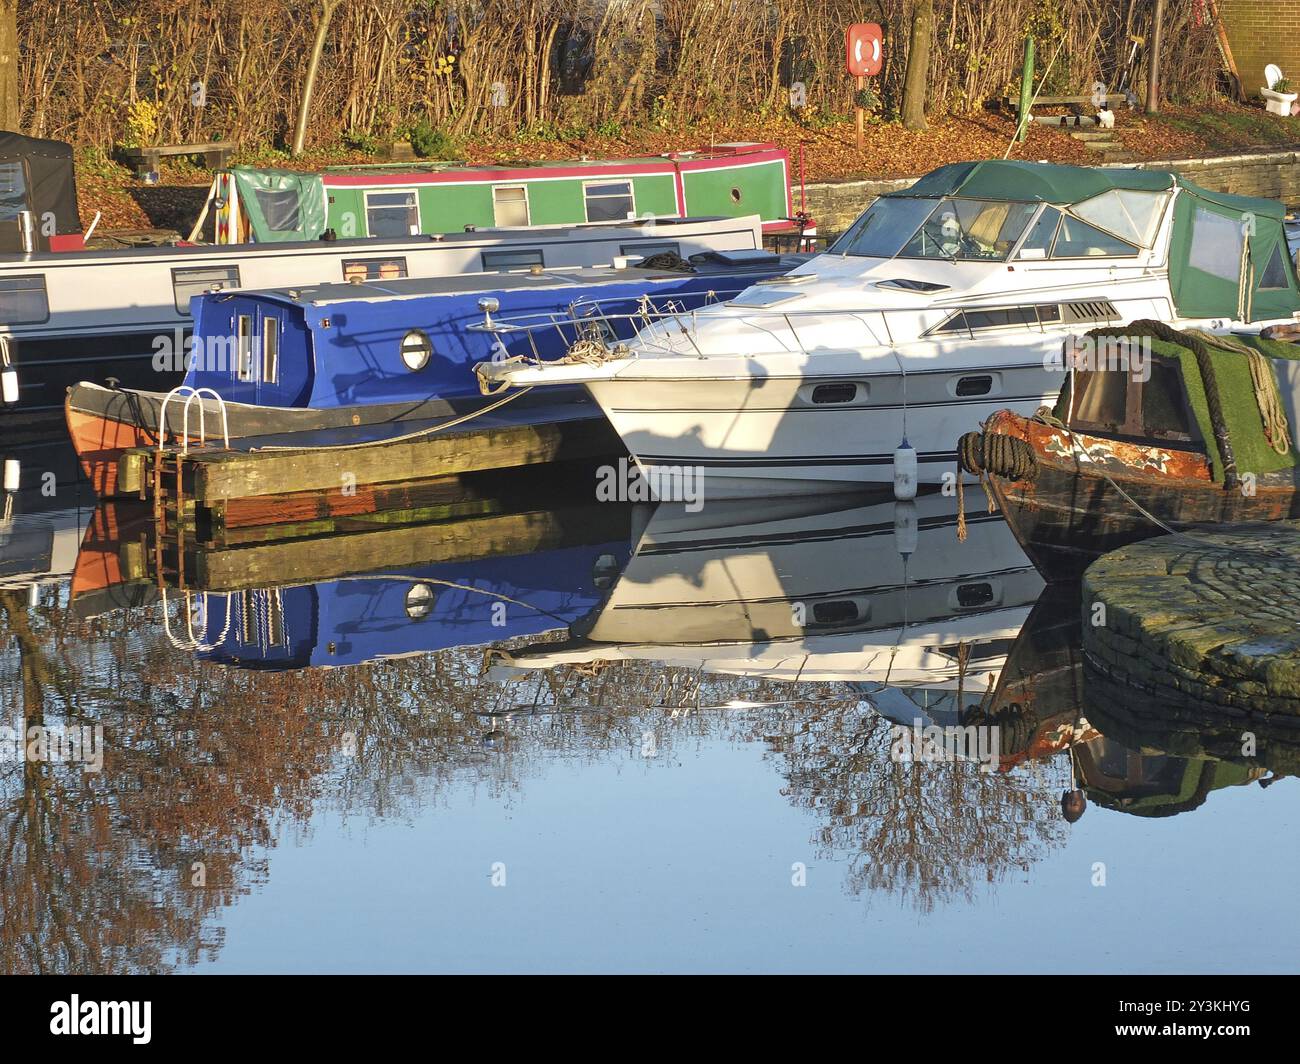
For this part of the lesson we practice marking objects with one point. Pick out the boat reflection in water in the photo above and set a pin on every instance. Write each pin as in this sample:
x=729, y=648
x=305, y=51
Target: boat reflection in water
x=402, y=612
x=814, y=590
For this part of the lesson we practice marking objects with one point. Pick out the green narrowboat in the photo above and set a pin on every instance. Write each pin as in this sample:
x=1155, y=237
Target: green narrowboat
x=408, y=199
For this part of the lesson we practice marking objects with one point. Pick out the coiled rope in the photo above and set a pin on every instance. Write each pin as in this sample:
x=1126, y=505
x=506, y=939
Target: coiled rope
x=587, y=351
x=1271, y=412
x=983, y=453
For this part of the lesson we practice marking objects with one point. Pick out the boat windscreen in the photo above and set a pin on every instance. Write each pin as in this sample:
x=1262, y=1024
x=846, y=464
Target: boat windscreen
x=948, y=228
x=885, y=227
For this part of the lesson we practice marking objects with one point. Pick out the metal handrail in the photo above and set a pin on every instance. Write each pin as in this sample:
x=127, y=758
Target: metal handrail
x=191, y=393
x=190, y=641
x=763, y=319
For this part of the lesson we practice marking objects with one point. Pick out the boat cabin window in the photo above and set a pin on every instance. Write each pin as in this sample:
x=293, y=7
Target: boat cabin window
x=1275, y=272
x=280, y=209
x=196, y=280
x=948, y=228
x=885, y=227
x=503, y=260
x=13, y=191
x=1076, y=239
x=1000, y=318
x=608, y=201
x=509, y=205
x=969, y=229
x=244, y=347
x=392, y=214
x=357, y=270
x=23, y=300
x=270, y=350
x=1038, y=242
x=1151, y=404
x=1216, y=244
x=646, y=248
x=1131, y=215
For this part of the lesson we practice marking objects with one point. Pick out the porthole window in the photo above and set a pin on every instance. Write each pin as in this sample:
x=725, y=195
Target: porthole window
x=735, y=195
x=980, y=385
x=419, y=601
x=834, y=393
x=416, y=350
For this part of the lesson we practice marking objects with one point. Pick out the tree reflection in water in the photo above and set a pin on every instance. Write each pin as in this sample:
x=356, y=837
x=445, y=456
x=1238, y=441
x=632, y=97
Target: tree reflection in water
x=206, y=764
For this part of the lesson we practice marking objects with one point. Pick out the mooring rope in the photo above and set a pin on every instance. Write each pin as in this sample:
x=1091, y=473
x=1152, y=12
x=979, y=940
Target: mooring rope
x=1271, y=412
x=980, y=454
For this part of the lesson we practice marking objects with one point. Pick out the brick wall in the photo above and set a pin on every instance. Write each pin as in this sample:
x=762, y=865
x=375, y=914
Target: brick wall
x=1273, y=175
x=1262, y=32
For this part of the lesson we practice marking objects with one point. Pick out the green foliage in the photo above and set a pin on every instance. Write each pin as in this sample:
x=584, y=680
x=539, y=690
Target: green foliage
x=360, y=140
x=94, y=162
x=610, y=128
x=429, y=142
x=141, y=124
x=265, y=155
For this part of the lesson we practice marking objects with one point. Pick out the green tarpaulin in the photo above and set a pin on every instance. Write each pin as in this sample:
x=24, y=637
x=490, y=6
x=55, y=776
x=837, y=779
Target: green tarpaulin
x=281, y=205
x=1019, y=181
x=1228, y=255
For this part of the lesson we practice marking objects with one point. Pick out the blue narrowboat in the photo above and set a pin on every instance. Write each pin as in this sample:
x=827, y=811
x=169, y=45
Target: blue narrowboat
x=383, y=352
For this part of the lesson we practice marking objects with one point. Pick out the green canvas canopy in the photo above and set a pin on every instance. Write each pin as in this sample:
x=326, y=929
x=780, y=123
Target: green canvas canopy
x=997, y=179
x=1228, y=257
x=281, y=205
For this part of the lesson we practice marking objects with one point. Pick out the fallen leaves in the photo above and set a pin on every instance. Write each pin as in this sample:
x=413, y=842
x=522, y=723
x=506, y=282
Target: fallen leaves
x=829, y=151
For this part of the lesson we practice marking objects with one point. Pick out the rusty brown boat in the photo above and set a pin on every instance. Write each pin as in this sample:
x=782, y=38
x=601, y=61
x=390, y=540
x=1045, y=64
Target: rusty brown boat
x=1205, y=435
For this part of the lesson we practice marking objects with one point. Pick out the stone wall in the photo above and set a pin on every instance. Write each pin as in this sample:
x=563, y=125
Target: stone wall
x=1273, y=175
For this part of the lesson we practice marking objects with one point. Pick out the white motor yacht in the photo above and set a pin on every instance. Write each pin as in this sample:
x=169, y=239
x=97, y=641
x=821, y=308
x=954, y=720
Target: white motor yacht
x=942, y=304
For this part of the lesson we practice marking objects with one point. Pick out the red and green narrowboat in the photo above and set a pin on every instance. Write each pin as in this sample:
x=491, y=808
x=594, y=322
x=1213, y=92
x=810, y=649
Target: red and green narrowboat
x=408, y=199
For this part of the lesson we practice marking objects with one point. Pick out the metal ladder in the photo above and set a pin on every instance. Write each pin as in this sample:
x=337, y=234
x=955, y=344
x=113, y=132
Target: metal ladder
x=189, y=394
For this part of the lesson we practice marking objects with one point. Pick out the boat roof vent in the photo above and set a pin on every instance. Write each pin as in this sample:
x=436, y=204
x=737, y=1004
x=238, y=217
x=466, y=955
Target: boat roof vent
x=906, y=284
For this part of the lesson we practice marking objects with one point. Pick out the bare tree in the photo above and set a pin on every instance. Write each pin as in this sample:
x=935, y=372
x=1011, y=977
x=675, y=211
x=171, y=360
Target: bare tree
x=309, y=82
x=10, y=111
x=915, y=82
x=1153, y=59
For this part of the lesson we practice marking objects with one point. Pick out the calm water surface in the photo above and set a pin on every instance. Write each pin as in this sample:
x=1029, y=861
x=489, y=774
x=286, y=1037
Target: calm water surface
x=614, y=739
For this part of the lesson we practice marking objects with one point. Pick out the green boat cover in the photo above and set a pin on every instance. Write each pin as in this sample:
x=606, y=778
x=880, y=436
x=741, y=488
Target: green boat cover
x=998, y=179
x=1236, y=399
x=1228, y=255
x=281, y=205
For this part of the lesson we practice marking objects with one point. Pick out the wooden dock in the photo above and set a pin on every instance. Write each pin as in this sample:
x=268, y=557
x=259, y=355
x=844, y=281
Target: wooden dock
x=221, y=495
x=363, y=456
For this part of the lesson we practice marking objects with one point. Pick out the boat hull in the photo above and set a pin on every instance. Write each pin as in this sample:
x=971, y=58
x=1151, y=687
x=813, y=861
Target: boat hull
x=763, y=436
x=1072, y=511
